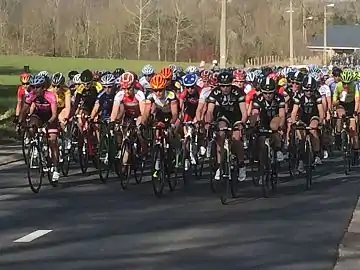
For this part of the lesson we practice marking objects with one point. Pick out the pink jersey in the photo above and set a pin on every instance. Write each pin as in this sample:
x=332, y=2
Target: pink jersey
x=44, y=103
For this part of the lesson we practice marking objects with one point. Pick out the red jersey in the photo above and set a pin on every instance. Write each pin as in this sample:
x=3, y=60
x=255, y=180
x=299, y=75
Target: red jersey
x=21, y=93
x=250, y=96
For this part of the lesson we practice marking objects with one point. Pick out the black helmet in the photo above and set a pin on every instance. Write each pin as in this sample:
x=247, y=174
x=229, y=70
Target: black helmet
x=225, y=78
x=299, y=77
x=118, y=72
x=86, y=76
x=336, y=71
x=267, y=85
x=71, y=74
x=308, y=83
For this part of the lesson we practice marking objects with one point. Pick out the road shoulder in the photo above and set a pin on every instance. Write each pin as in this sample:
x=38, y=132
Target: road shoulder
x=349, y=248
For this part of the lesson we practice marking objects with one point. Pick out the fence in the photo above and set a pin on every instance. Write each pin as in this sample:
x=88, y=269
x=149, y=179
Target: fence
x=280, y=61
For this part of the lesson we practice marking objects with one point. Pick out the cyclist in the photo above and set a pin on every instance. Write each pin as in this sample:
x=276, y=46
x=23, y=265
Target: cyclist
x=22, y=92
x=63, y=97
x=43, y=112
x=309, y=109
x=230, y=103
x=189, y=99
x=148, y=72
x=269, y=110
x=346, y=102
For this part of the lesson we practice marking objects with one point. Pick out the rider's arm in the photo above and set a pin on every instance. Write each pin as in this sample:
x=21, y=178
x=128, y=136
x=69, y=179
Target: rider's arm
x=243, y=109
x=95, y=110
x=67, y=104
x=53, y=103
x=174, y=111
x=20, y=95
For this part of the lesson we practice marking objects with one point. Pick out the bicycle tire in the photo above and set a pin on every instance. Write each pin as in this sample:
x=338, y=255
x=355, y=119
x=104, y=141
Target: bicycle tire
x=212, y=166
x=234, y=185
x=266, y=174
x=186, y=156
x=104, y=149
x=83, y=156
x=138, y=170
x=35, y=188
x=158, y=181
x=172, y=169
x=224, y=182
x=345, y=149
x=309, y=160
x=125, y=168
x=24, y=149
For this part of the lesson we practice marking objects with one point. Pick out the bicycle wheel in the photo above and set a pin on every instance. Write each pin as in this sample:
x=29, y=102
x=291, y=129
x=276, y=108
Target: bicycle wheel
x=345, y=149
x=138, y=163
x=213, y=166
x=224, y=182
x=234, y=180
x=266, y=173
x=255, y=172
x=158, y=171
x=34, y=165
x=103, y=158
x=309, y=161
x=274, y=174
x=125, y=167
x=173, y=161
x=83, y=155
x=186, y=174
x=293, y=155
x=25, y=144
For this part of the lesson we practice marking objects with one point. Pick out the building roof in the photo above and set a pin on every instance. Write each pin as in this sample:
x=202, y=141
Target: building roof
x=338, y=37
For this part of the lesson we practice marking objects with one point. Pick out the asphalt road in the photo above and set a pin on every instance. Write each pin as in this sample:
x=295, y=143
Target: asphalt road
x=98, y=226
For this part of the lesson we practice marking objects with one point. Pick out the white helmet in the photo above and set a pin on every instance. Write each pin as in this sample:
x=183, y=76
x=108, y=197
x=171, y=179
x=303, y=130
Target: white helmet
x=77, y=79
x=191, y=69
x=37, y=80
x=148, y=70
x=107, y=80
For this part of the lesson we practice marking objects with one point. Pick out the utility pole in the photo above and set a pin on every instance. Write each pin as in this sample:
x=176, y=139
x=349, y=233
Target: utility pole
x=223, y=30
x=291, y=37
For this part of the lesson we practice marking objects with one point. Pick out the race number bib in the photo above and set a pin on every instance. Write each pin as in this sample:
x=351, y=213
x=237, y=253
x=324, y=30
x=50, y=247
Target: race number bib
x=343, y=96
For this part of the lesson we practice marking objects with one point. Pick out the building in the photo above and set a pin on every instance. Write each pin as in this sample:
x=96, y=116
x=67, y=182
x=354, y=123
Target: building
x=340, y=39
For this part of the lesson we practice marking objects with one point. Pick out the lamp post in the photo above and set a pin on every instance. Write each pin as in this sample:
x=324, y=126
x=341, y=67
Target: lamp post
x=291, y=35
x=223, y=34
x=325, y=33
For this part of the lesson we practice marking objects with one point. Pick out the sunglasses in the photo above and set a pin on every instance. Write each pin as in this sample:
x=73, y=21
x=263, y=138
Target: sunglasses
x=268, y=93
x=157, y=90
x=25, y=84
x=107, y=86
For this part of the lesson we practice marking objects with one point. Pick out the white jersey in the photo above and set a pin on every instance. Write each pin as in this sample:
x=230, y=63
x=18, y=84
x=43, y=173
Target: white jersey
x=129, y=100
x=204, y=94
x=144, y=83
x=248, y=88
x=324, y=90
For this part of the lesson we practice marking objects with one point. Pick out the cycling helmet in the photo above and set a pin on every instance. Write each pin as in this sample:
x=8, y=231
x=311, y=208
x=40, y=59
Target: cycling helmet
x=71, y=74
x=127, y=80
x=58, y=79
x=25, y=77
x=225, y=78
x=250, y=77
x=299, y=77
x=189, y=80
x=172, y=67
x=148, y=70
x=309, y=83
x=192, y=69
x=37, y=80
x=118, y=72
x=166, y=72
x=76, y=79
x=214, y=78
x=347, y=76
x=44, y=73
x=158, y=82
x=239, y=76
x=267, y=85
x=117, y=81
x=86, y=76
x=266, y=71
x=107, y=80
x=336, y=71
x=315, y=75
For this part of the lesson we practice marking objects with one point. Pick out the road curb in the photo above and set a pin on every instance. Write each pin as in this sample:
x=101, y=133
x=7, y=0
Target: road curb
x=349, y=248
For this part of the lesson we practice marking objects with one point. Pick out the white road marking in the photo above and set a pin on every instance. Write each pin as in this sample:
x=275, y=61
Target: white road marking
x=8, y=196
x=32, y=236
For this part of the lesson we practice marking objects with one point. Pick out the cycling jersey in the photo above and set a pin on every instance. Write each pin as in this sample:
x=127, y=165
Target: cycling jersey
x=324, y=90
x=43, y=104
x=204, y=94
x=346, y=93
x=85, y=97
x=162, y=105
x=105, y=100
x=144, y=83
x=131, y=102
x=22, y=93
x=61, y=95
x=191, y=102
x=308, y=106
x=228, y=104
x=268, y=109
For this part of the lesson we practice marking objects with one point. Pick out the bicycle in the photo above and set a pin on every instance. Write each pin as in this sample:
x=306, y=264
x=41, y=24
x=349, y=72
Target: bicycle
x=268, y=165
x=86, y=145
x=131, y=152
x=162, y=161
x=38, y=157
x=346, y=144
x=66, y=147
x=228, y=167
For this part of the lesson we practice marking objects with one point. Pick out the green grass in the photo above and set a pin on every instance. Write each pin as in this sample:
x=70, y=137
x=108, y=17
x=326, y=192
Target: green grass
x=12, y=66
